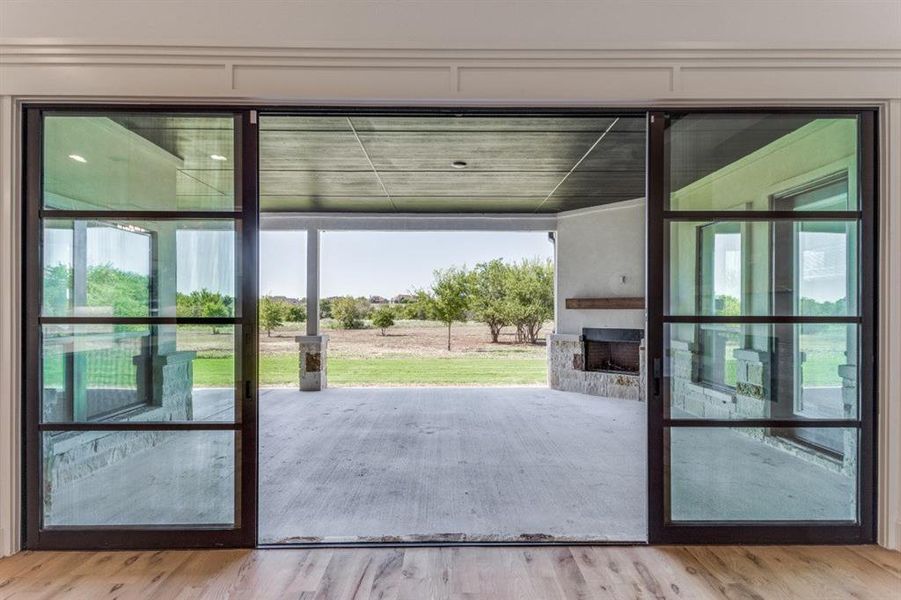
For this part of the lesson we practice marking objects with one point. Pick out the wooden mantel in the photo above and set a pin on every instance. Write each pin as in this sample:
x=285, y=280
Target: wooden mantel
x=605, y=303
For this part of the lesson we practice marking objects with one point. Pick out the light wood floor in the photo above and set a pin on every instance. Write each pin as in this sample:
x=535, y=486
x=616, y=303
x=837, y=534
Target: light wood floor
x=470, y=573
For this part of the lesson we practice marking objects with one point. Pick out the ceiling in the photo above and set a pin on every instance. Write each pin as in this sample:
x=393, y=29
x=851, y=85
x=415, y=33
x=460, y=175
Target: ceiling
x=404, y=164
x=388, y=164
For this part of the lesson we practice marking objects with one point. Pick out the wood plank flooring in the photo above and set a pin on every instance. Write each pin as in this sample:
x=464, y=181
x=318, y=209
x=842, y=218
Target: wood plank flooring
x=537, y=573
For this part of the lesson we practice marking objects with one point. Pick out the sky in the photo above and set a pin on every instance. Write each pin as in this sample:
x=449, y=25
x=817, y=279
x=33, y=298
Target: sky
x=384, y=263
x=390, y=263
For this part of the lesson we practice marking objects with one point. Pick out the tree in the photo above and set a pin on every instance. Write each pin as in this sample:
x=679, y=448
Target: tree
x=383, y=318
x=204, y=303
x=530, y=285
x=57, y=283
x=127, y=293
x=214, y=307
x=416, y=307
x=272, y=314
x=295, y=313
x=325, y=308
x=349, y=312
x=449, y=297
x=490, y=301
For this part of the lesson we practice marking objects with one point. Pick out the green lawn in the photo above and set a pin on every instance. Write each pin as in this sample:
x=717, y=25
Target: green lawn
x=281, y=369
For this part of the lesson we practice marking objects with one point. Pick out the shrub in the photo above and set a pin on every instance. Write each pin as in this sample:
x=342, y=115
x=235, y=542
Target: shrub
x=383, y=318
x=349, y=312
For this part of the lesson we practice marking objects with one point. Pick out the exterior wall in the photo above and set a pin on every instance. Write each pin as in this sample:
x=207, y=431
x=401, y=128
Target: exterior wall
x=599, y=53
x=596, y=249
x=600, y=253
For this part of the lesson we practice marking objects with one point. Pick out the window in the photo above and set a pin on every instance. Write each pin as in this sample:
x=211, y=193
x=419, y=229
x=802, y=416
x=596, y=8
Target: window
x=720, y=271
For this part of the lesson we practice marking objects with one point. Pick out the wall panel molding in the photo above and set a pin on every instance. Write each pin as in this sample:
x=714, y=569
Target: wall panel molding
x=649, y=75
x=326, y=73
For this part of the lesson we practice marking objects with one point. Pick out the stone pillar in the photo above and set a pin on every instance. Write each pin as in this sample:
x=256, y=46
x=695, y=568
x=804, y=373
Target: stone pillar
x=848, y=373
x=752, y=393
x=313, y=363
x=684, y=368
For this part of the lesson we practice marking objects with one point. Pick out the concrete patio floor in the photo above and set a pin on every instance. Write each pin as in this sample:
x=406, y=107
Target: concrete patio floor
x=480, y=464
x=360, y=464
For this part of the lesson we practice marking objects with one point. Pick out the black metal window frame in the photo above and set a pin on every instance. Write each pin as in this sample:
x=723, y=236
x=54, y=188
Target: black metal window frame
x=660, y=528
x=247, y=185
x=243, y=532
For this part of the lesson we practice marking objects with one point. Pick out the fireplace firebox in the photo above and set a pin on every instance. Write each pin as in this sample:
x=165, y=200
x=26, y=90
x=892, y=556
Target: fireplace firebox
x=611, y=350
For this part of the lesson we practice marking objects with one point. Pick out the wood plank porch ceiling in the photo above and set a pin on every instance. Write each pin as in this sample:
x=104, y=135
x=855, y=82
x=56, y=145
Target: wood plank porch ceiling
x=404, y=164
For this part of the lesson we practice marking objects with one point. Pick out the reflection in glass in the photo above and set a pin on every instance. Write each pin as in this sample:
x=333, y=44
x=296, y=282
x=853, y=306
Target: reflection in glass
x=753, y=161
x=124, y=161
x=137, y=268
x=104, y=373
x=732, y=268
x=759, y=474
x=139, y=478
x=762, y=371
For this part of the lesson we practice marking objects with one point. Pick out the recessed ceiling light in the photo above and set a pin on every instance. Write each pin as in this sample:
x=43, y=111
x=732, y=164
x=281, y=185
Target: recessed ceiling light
x=459, y=164
x=217, y=157
x=78, y=158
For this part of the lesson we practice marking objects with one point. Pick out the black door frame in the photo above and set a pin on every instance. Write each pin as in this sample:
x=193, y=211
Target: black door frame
x=246, y=140
x=660, y=531
x=244, y=531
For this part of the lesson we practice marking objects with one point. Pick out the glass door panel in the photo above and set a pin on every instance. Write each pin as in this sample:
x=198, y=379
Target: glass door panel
x=140, y=421
x=761, y=335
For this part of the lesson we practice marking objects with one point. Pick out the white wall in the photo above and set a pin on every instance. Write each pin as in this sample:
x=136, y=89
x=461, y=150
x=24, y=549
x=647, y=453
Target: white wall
x=645, y=53
x=596, y=248
x=464, y=24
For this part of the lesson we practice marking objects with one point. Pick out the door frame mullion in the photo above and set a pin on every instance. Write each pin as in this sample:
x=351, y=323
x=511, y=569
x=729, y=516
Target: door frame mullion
x=783, y=532
x=243, y=532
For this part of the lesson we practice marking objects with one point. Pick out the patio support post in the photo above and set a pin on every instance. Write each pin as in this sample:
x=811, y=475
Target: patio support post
x=312, y=281
x=313, y=345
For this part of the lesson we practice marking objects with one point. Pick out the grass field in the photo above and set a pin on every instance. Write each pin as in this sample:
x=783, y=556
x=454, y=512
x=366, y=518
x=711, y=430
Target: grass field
x=281, y=370
x=414, y=353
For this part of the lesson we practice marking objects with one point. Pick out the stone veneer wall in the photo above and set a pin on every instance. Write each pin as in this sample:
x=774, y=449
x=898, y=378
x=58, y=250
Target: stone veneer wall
x=751, y=400
x=565, y=372
x=69, y=456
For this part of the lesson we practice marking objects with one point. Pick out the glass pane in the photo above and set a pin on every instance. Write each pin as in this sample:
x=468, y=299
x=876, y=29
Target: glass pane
x=732, y=268
x=107, y=478
x=139, y=161
x=759, y=474
x=136, y=268
x=761, y=161
x=761, y=371
x=104, y=373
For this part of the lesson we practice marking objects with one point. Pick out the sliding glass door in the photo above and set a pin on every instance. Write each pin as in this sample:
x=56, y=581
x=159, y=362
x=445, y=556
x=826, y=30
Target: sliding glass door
x=140, y=327
x=761, y=306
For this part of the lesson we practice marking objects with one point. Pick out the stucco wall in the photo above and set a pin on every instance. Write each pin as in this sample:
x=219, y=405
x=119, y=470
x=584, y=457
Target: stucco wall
x=595, y=250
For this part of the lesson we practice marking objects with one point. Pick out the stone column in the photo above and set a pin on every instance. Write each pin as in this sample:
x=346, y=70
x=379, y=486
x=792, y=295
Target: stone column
x=313, y=372
x=848, y=373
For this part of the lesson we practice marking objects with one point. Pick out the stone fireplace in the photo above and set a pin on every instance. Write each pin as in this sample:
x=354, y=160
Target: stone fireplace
x=601, y=362
x=611, y=350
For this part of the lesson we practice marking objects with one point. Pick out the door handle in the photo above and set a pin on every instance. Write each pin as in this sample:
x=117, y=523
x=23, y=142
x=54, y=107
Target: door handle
x=657, y=373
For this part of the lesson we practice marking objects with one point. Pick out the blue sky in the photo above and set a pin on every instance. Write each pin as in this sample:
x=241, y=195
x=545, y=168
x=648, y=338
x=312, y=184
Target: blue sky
x=384, y=263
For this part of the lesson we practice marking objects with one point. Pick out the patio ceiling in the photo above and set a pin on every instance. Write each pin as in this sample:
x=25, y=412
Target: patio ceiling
x=405, y=164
